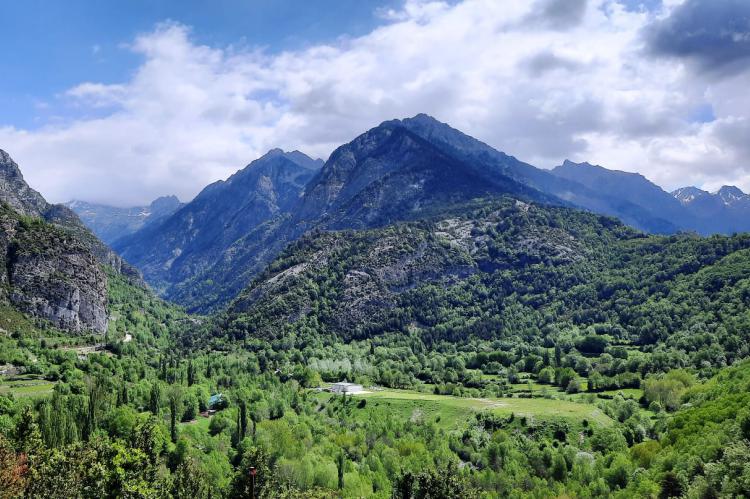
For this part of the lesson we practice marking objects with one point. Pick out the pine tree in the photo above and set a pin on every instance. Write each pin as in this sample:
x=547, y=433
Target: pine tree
x=154, y=397
x=27, y=435
x=173, y=419
x=243, y=420
x=175, y=401
x=190, y=373
x=340, y=463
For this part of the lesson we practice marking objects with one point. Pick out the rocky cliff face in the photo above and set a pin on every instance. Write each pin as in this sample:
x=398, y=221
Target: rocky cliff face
x=15, y=192
x=49, y=273
x=51, y=264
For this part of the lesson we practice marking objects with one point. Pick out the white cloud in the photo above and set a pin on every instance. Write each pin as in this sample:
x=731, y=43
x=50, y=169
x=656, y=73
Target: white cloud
x=587, y=90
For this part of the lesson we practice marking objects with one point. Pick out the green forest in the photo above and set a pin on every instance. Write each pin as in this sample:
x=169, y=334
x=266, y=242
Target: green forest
x=504, y=350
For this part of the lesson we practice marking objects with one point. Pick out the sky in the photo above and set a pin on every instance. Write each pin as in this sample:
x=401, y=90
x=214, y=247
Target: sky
x=122, y=102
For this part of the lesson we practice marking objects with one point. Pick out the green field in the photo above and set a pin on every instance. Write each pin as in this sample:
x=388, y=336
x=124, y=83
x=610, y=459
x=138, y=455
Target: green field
x=535, y=387
x=452, y=412
x=628, y=393
x=26, y=387
x=200, y=424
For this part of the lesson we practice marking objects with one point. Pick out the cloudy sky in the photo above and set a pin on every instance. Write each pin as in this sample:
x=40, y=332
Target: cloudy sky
x=120, y=102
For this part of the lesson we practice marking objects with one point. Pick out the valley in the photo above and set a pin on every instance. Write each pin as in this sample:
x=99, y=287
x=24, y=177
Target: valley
x=510, y=343
x=375, y=249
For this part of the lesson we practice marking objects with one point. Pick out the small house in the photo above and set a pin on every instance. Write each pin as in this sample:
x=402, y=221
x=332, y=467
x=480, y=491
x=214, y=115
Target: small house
x=217, y=402
x=343, y=387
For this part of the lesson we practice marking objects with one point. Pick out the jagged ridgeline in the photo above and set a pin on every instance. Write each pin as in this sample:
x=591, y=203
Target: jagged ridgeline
x=206, y=252
x=506, y=270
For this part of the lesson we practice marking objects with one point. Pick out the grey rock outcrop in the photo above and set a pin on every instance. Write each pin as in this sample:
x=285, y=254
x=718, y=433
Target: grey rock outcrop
x=47, y=272
x=16, y=192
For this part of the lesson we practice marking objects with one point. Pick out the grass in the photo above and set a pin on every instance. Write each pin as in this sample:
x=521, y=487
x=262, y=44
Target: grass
x=628, y=393
x=26, y=387
x=452, y=412
x=536, y=387
x=201, y=423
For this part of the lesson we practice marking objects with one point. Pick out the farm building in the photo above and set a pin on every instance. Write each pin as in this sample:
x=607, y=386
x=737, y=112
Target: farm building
x=344, y=387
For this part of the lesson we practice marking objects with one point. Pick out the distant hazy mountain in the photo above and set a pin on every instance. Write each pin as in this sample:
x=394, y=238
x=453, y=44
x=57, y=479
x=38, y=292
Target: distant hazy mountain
x=568, y=190
x=633, y=187
x=724, y=211
x=190, y=241
x=111, y=223
x=688, y=209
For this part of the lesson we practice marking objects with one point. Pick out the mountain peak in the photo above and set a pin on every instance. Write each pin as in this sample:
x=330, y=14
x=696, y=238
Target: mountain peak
x=165, y=203
x=276, y=151
x=16, y=192
x=585, y=165
x=687, y=195
x=730, y=193
x=420, y=119
x=7, y=163
x=424, y=118
x=297, y=157
x=572, y=164
x=304, y=160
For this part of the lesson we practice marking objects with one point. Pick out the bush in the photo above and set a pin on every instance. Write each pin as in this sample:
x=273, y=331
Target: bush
x=574, y=386
x=218, y=424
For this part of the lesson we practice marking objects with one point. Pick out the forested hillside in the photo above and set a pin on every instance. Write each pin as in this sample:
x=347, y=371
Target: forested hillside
x=511, y=272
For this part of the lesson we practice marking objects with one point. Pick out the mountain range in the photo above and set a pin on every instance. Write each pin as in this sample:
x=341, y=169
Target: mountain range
x=187, y=245
x=110, y=223
x=202, y=254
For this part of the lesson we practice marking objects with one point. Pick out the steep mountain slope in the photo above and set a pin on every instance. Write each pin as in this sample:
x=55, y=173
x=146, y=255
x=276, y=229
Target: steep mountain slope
x=51, y=266
x=506, y=271
x=389, y=173
x=385, y=175
x=726, y=211
x=16, y=192
x=353, y=283
x=26, y=201
x=630, y=210
x=110, y=223
x=189, y=242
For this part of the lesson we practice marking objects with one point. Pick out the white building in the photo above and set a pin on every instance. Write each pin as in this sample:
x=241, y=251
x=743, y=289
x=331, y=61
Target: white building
x=344, y=387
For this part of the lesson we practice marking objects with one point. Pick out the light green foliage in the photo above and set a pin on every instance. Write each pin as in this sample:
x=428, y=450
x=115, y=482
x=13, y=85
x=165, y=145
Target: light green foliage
x=471, y=374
